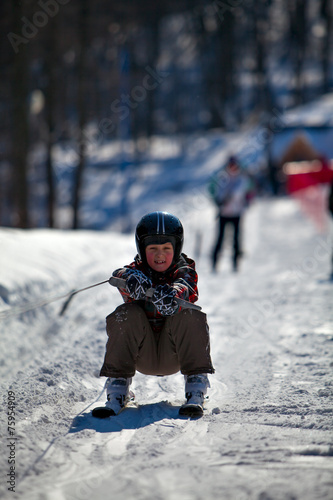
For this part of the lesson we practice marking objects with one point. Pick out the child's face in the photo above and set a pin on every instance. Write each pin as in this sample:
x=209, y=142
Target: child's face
x=159, y=257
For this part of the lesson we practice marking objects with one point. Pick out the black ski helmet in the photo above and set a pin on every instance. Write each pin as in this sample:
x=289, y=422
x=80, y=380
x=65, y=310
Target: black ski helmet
x=159, y=228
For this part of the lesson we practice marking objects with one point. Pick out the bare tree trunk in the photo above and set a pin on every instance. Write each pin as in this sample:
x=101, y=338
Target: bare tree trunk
x=223, y=82
x=260, y=28
x=327, y=13
x=298, y=43
x=154, y=29
x=82, y=115
x=50, y=91
x=20, y=127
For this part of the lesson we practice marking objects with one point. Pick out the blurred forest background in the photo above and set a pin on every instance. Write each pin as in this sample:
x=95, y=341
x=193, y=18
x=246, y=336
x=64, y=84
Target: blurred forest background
x=77, y=74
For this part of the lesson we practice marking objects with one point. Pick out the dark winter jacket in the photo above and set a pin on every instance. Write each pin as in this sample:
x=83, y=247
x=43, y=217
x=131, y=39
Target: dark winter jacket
x=231, y=193
x=181, y=276
x=330, y=200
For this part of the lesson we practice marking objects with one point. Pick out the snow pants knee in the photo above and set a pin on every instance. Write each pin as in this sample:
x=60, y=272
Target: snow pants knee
x=182, y=344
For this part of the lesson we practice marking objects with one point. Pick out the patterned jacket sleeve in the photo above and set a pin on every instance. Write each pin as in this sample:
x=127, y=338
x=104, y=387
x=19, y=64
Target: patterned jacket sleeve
x=185, y=280
x=118, y=273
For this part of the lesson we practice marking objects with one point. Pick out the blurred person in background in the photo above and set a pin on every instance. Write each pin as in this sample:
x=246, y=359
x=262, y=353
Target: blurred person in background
x=330, y=208
x=231, y=189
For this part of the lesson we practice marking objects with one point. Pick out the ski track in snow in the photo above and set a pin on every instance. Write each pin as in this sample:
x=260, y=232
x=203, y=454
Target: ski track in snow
x=267, y=430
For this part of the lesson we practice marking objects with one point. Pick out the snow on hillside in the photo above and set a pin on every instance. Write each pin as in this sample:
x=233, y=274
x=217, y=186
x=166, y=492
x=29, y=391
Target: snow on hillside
x=267, y=430
x=121, y=183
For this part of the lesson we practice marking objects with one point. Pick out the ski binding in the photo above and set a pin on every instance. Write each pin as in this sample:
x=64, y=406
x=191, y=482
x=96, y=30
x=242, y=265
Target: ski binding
x=191, y=410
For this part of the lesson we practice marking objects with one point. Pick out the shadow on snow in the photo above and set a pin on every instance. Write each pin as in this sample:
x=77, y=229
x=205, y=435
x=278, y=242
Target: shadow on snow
x=130, y=418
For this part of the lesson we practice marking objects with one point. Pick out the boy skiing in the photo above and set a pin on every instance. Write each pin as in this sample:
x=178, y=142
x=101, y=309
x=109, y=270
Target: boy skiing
x=155, y=335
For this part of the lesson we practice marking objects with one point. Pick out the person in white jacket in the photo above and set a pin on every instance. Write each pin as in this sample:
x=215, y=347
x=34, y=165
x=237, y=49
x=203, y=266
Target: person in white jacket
x=231, y=191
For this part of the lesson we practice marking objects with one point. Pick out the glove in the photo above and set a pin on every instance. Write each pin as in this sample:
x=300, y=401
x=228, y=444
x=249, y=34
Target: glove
x=137, y=283
x=164, y=300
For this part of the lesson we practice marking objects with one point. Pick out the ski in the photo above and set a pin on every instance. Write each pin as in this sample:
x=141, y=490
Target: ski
x=106, y=412
x=191, y=411
x=187, y=410
x=103, y=412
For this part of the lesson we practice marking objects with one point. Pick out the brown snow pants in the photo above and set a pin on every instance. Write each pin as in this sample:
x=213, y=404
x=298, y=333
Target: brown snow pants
x=182, y=344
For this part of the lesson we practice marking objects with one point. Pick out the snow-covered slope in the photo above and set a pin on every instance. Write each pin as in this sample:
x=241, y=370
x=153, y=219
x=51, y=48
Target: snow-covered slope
x=267, y=430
